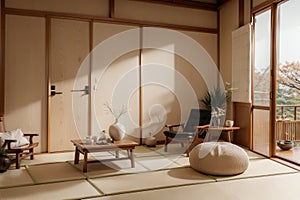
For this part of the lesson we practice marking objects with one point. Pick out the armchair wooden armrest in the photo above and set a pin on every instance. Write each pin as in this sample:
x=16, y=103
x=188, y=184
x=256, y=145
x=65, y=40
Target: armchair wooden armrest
x=8, y=143
x=201, y=129
x=203, y=126
x=31, y=135
x=171, y=126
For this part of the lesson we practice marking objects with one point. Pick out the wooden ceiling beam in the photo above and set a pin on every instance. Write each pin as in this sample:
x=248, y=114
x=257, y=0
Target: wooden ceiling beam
x=221, y=2
x=184, y=3
x=24, y=12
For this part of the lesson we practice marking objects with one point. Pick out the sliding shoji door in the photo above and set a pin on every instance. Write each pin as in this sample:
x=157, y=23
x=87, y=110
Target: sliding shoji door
x=115, y=77
x=68, y=104
x=25, y=76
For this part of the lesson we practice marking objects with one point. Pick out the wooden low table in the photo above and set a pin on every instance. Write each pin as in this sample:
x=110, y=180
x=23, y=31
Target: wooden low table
x=82, y=147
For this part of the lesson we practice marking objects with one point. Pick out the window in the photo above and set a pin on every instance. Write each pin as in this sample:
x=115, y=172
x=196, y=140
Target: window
x=261, y=77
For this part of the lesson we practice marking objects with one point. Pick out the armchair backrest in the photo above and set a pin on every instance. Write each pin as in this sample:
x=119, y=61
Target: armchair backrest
x=197, y=117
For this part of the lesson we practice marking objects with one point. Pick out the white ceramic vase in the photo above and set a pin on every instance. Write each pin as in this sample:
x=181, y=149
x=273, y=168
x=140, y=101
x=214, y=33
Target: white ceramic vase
x=117, y=131
x=150, y=141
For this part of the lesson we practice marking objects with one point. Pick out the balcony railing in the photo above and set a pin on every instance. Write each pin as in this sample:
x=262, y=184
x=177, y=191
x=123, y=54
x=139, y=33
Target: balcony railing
x=282, y=110
x=287, y=127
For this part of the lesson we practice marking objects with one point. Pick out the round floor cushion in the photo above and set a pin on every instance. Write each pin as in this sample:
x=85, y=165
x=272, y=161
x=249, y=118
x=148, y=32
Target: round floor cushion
x=219, y=158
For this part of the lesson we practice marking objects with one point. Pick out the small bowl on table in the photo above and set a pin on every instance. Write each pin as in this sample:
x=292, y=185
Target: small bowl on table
x=285, y=145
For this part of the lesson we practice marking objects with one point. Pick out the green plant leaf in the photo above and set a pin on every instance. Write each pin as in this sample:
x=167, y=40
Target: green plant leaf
x=216, y=99
x=2, y=151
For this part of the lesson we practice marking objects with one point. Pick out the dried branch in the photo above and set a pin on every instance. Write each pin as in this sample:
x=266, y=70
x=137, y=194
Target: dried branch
x=116, y=112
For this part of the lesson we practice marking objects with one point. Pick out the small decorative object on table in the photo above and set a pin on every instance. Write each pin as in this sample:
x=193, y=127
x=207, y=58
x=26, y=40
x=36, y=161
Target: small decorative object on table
x=150, y=141
x=103, y=138
x=229, y=123
x=285, y=145
x=217, y=114
x=116, y=130
x=88, y=140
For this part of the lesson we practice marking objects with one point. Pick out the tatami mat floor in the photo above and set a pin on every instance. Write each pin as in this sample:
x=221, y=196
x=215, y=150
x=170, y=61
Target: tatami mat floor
x=157, y=175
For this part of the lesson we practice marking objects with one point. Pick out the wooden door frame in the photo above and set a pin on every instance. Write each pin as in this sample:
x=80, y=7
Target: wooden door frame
x=273, y=7
x=258, y=107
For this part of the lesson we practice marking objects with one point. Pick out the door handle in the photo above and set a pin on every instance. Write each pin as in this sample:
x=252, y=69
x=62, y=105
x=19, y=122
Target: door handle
x=86, y=90
x=53, y=92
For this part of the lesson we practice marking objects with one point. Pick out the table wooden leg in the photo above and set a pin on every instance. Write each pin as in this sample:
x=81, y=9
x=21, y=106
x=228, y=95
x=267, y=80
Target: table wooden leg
x=132, y=157
x=128, y=153
x=117, y=154
x=76, y=158
x=166, y=144
x=85, y=161
x=228, y=136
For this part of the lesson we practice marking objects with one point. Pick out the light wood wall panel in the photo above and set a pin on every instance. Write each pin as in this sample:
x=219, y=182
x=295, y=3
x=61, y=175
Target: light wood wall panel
x=242, y=118
x=25, y=77
x=68, y=49
x=167, y=14
x=165, y=95
x=208, y=41
x=116, y=82
x=90, y=7
x=159, y=93
x=171, y=78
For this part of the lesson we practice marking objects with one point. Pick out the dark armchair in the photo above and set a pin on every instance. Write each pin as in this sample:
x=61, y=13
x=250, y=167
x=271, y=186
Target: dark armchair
x=197, y=117
x=19, y=152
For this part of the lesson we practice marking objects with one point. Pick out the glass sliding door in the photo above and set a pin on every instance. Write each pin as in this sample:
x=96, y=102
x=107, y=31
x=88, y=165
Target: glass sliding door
x=288, y=73
x=261, y=83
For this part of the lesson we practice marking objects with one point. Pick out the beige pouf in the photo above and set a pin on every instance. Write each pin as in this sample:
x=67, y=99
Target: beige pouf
x=219, y=158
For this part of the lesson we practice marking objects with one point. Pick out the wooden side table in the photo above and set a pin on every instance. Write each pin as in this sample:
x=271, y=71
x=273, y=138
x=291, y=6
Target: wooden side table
x=201, y=129
x=225, y=129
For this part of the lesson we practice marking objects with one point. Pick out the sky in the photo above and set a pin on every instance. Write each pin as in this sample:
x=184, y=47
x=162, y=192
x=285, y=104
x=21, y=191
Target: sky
x=289, y=34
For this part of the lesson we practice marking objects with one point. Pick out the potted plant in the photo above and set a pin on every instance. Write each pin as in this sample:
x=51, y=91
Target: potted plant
x=216, y=99
x=4, y=160
x=216, y=103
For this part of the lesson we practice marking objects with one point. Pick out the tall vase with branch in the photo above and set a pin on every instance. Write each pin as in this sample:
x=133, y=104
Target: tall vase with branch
x=116, y=130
